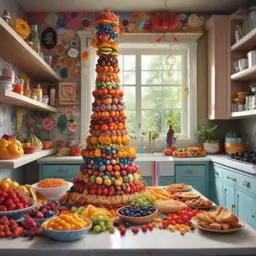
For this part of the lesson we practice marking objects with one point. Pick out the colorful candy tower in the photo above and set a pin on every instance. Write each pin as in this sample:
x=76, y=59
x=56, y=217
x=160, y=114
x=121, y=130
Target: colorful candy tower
x=109, y=177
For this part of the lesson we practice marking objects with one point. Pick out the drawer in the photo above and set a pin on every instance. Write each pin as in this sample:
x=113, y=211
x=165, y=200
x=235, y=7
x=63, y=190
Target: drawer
x=146, y=167
x=217, y=172
x=190, y=170
x=246, y=183
x=59, y=170
x=230, y=177
x=165, y=180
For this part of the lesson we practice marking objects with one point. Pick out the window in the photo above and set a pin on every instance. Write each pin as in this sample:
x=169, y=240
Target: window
x=156, y=86
x=159, y=81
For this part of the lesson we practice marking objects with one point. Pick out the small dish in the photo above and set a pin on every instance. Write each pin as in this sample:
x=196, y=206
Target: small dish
x=194, y=222
x=137, y=220
x=188, y=195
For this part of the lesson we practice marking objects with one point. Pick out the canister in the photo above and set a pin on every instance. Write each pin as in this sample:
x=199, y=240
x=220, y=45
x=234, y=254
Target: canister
x=251, y=58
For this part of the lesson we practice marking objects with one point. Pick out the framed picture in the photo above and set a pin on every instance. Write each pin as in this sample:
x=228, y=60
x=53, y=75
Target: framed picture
x=67, y=93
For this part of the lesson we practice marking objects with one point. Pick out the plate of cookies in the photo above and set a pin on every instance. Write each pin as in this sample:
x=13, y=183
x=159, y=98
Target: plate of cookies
x=199, y=203
x=220, y=220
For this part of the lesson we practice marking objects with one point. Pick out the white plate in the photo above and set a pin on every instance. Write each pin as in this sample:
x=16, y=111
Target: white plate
x=184, y=190
x=194, y=222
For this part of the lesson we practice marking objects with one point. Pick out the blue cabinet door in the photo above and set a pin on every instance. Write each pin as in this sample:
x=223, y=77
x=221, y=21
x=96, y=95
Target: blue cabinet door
x=166, y=180
x=246, y=207
x=148, y=180
x=218, y=192
x=229, y=197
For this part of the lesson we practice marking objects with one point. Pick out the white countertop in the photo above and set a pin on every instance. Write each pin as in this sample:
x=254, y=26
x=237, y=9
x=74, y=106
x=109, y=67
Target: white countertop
x=155, y=243
x=158, y=157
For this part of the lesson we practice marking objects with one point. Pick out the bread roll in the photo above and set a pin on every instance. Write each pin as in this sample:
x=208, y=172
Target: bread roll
x=215, y=226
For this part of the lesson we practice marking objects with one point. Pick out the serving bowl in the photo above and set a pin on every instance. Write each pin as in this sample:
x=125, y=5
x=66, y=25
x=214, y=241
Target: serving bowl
x=53, y=193
x=17, y=214
x=66, y=235
x=137, y=220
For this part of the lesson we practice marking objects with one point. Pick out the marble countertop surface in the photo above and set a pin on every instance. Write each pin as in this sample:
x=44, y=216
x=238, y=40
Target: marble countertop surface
x=158, y=242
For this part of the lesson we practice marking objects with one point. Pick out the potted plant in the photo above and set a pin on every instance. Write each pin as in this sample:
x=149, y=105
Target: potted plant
x=208, y=135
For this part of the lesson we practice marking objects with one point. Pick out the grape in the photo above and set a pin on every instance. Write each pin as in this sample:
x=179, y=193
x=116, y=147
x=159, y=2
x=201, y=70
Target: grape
x=96, y=229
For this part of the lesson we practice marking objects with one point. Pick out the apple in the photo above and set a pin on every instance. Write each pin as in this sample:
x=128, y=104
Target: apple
x=99, y=191
x=130, y=177
x=92, y=191
x=111, y=190
x=29, y=150
x=105, y=191
x=123, y=173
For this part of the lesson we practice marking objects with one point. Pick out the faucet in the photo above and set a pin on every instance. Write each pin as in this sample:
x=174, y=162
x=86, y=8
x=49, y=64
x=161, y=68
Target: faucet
x=151, y=145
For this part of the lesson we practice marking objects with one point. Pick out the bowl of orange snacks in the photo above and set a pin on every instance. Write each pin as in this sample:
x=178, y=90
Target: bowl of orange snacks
x=52, y=189
x=67, y=227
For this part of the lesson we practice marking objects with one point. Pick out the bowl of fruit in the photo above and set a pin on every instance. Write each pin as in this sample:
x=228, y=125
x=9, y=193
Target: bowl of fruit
x=44, y=212
x=14, y=205
x=137, y=215
x=66, y=227
x=52, y=189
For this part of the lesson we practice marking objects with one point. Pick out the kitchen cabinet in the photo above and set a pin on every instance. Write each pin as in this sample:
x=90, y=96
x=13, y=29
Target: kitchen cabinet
x=193, y=174
x=148, y=180
x=246, y=207
x=234, y=190
x=58, y=171
x=218, y=27
x=166, y=180
x=229, y=197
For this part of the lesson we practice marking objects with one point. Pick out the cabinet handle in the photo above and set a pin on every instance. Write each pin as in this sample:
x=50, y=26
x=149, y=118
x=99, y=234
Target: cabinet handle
x=253, y=216
x=63, y=170
x=217, y=173
x=233, y=206
x=246, y=184
x=230, y=178
x=191, y=171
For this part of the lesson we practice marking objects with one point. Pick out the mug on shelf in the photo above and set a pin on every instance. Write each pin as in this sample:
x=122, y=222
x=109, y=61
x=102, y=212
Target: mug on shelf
x=243, y=64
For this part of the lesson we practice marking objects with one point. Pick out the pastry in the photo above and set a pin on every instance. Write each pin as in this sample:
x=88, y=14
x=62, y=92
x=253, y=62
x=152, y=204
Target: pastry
x=199, y=203
x=219, y=219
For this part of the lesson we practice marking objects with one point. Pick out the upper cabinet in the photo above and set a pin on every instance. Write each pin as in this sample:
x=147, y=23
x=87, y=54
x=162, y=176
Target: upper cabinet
x=218, y=67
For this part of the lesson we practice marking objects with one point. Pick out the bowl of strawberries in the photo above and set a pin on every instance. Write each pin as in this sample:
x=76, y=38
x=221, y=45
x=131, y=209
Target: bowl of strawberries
x=13, y=204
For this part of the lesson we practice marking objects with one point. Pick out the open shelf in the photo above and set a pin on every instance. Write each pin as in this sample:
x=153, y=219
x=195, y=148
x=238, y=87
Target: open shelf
x=246, y=43
x=245, y=75
x=25, y=159
x=10, y=97
x=246, y=113
x=16, y=51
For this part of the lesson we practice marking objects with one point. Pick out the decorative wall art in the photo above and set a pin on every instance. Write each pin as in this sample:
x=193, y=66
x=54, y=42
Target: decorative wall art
x=67, y=93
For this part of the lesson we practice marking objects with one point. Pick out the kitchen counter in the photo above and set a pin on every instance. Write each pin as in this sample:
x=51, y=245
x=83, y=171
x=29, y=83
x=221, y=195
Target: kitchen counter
x=158, y=157
x=157, y=242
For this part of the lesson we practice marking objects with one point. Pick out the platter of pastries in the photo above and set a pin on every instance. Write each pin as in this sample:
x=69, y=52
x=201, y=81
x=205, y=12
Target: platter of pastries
x=189, y=152
x=181, y=187
x=188, y=195
x=220, y=220
x=199, y=203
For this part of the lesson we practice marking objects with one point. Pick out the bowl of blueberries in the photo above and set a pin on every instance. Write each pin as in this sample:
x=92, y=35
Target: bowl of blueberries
x=44, y=212
x=137, y=215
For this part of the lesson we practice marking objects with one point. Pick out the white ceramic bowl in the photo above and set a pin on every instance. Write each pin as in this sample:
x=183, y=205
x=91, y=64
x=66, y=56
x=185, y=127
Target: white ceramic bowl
x=52, y=193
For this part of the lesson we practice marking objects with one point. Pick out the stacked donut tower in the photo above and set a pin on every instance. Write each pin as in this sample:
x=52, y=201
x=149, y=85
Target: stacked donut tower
x=109, y=176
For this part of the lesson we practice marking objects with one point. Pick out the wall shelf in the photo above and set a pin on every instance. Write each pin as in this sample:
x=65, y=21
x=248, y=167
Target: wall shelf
x=25, y=159
x=246, y=43
x=10, y=97
x=246, y=113
x=245, y=75
x=16, y=51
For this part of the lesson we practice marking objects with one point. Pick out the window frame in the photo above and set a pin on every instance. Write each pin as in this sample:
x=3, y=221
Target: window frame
x=187, y=40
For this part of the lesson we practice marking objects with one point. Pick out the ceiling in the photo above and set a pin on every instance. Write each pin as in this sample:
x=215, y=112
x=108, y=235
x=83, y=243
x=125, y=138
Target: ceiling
x=132, y=5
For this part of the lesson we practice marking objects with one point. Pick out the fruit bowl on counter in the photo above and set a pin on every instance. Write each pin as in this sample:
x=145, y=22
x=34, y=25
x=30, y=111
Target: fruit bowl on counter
x=137, y=215
x=52, y=192
x=60, y=228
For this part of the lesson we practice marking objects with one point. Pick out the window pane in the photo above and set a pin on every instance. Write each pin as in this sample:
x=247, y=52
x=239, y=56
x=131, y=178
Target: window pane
x=175, y=117
x=172, y=77
x=152, y=62
x=151, y=120
x=120, y=61
x=172, y=62
x=129, y=62
x=171, y=97
x=131, y=122
x=151, y=97
x=129, y=97
x=128, y=77
x=151, y=77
